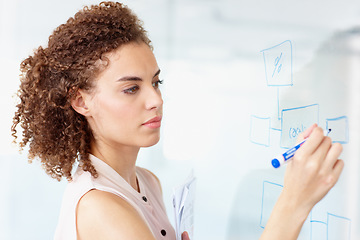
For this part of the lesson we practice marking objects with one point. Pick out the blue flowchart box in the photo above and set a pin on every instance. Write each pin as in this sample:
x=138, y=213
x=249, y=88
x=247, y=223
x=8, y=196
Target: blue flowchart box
x=339, y=129
x=296, y=120
x=318, y=230
x=278, y=64
x=260, y=130
x=271, y=192
x=335, y=228
x=338, y=227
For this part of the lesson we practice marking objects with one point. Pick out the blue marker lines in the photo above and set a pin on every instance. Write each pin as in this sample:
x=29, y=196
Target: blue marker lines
x=278, y=72
x=260, y=130
x=278, y=103
x=278, y=64
x=336, y=227
x=339, y=129
x=270, y=194
x=296, y=120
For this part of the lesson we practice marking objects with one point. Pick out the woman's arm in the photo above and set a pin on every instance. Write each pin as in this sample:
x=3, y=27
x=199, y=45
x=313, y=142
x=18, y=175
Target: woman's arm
x=103, y=215
x=310, y=175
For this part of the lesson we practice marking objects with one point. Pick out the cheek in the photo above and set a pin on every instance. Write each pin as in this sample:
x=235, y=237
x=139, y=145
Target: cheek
x=116, y=113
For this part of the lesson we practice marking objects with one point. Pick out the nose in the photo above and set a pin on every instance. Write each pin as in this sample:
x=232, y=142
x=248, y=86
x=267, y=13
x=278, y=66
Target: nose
x=154, y=99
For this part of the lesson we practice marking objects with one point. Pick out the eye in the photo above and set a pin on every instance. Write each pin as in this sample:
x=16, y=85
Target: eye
x=131, y=90
x=157, y=83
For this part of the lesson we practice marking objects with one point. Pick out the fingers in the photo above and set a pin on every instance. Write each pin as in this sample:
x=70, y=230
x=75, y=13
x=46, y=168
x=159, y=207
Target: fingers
x=315, y=169
x=324, y=153
x=332, y=157
x=323, y=156
x=313, y=141
x=321, y=152
x=338, y=167
x=306, y=133
x=185, y=236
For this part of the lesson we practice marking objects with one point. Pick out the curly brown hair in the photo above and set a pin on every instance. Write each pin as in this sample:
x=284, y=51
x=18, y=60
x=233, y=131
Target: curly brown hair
x=55, y=132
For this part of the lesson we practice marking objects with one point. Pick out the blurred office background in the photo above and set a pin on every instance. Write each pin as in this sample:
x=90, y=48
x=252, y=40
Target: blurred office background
x=210, y=55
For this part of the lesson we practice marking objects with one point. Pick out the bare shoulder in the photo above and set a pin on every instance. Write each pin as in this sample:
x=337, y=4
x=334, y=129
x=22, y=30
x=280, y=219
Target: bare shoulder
x=103, y=215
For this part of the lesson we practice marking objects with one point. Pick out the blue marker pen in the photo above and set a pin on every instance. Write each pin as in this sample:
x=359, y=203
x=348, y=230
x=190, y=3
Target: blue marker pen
x=281, y=159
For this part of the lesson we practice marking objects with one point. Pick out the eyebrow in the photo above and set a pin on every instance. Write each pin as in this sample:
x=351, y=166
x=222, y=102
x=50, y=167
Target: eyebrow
x=134, y=78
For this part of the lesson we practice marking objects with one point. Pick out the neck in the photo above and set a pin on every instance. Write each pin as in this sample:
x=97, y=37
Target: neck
x=121, y=158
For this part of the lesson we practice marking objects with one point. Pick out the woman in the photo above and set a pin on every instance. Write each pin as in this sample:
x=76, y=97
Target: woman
x=92, y=97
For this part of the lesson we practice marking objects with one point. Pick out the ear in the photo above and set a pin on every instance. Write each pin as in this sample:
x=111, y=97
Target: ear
x=78, y=103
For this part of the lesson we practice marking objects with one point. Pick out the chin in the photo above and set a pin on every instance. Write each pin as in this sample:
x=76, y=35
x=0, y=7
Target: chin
x=151, y=142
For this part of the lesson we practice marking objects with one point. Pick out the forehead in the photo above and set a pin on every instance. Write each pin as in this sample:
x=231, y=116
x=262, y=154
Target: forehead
x=131, y=58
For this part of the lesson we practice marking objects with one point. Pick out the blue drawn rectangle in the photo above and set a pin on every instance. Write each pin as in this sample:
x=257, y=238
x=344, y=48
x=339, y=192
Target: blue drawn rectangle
x=295, y=121
x=270, y=194
x=318, y=230
x=338, y=227
x=278, y=64
x=339, y=129
x=260, y=130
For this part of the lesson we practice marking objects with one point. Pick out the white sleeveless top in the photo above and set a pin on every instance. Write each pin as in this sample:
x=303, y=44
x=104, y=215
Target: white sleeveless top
x=148, y=202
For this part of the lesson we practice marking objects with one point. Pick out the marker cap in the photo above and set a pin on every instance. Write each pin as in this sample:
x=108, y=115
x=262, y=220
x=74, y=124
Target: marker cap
x=278, y=161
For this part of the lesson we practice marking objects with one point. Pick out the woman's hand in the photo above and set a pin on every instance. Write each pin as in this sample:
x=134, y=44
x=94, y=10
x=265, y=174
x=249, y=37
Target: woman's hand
x=185, y=236
x=314, y=170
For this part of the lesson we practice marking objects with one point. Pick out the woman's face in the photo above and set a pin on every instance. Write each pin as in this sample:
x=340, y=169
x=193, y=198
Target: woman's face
x=125, y=108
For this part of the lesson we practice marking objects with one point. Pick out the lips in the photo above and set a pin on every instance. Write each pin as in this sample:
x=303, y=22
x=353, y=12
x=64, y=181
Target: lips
x=153, y=123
